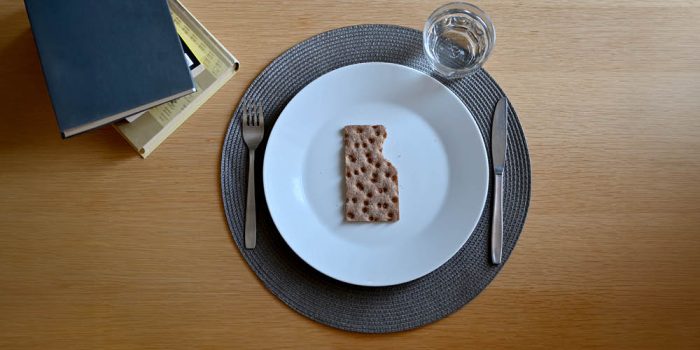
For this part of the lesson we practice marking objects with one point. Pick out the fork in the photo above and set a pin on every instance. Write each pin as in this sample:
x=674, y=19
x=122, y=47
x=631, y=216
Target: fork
x=253, y=125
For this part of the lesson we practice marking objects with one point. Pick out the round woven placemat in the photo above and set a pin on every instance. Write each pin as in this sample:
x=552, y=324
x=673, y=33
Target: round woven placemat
x=321, y=298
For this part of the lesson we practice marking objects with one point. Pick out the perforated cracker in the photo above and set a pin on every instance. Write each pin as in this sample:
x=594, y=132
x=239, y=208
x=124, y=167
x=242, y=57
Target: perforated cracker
x=371, y=182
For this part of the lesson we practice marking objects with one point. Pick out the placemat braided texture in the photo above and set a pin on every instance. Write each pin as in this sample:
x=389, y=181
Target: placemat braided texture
x=321, y=298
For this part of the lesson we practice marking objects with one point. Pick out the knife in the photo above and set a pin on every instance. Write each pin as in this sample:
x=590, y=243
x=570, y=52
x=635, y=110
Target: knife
x=499, y=135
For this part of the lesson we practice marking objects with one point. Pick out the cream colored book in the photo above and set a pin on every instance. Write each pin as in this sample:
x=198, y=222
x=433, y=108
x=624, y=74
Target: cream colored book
x=146, y=131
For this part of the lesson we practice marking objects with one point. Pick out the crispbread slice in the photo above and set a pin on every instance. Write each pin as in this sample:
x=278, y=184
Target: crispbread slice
x=371, y=182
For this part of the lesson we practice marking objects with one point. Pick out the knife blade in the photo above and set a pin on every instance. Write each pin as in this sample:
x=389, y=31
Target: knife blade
x=499, y=136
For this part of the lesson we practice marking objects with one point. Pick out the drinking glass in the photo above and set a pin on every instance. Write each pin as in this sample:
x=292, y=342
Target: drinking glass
x=458, y=38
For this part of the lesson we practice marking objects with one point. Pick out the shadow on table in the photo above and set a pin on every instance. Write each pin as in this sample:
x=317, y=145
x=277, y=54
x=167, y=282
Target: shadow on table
x=28, y=122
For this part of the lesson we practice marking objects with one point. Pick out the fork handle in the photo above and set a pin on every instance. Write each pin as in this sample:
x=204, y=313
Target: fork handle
x=250, y=220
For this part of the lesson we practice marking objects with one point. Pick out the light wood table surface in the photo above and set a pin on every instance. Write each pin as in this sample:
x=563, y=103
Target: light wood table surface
x=100, y=249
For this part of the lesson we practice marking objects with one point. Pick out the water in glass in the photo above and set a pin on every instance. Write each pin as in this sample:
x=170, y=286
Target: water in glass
x=458, y=37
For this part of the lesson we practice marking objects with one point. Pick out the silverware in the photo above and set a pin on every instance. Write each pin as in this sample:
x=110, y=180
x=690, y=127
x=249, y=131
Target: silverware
x=253, y=130
x=499, y=135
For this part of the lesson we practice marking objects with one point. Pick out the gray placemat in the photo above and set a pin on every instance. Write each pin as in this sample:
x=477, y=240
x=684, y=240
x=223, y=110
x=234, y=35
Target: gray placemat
x=334, y=303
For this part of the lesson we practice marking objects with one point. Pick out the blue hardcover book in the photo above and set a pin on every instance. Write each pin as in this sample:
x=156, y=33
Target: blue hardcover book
x=108, y=59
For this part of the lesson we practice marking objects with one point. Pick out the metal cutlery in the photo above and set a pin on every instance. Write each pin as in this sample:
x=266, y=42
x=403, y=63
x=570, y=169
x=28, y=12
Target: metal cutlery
x=253, y=125
x=499, y=136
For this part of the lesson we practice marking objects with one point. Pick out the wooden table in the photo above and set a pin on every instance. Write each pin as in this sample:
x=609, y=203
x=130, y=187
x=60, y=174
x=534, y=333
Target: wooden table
x=101, y=249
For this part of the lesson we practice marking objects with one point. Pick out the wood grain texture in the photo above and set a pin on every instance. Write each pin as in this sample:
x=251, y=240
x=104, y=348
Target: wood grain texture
x=100, y=249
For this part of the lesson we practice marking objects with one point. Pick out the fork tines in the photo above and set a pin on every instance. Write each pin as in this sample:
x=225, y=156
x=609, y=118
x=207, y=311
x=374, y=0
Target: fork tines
x=251, y=117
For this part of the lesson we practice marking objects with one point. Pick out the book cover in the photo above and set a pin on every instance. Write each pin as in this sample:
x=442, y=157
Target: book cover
x=216, y=65
x=108, y=59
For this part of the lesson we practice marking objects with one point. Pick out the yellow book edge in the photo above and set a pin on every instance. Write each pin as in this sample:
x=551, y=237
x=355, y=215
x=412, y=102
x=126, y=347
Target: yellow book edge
x=150, y=146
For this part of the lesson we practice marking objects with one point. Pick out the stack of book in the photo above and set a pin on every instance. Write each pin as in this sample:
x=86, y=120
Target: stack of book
x=143, y=66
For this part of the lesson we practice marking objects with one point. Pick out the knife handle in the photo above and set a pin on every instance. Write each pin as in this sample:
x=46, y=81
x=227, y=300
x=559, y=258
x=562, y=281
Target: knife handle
x=497, y=221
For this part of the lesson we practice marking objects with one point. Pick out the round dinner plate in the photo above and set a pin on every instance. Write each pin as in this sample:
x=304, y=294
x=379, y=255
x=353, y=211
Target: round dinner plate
x=435, y=145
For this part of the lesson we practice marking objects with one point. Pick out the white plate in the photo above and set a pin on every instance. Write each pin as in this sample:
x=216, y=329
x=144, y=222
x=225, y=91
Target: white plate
x=434, y=143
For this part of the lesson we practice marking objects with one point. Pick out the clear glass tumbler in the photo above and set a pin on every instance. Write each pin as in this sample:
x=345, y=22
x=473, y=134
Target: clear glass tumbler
x=458, y=38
